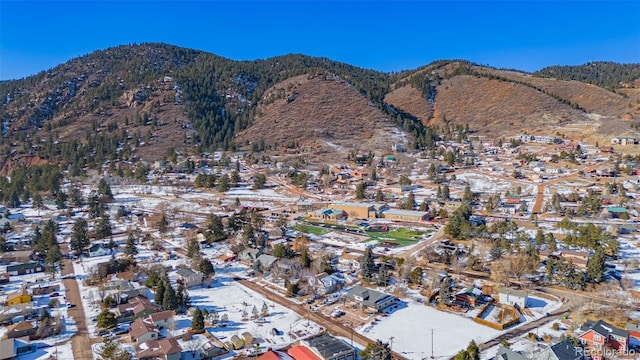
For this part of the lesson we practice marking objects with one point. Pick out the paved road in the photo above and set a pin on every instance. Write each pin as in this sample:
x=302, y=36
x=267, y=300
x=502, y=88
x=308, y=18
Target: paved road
x=332, y=326
x=80, y=342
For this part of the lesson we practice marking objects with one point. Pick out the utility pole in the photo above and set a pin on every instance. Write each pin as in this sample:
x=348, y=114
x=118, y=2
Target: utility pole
x=432, y=344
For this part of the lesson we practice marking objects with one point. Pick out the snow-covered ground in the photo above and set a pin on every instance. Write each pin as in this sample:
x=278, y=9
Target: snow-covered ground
x=489, y=184
x=413, y=326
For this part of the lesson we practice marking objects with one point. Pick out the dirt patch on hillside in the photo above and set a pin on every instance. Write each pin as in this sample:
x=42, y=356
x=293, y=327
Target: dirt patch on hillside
x=321, y=111
x=409, y=99
x=498, y=108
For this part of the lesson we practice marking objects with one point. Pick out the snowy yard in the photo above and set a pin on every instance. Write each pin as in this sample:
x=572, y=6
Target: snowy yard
x=412, y=325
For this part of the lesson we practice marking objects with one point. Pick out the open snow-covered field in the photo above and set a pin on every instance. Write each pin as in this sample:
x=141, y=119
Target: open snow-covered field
x=411, y=327
x=489, y=184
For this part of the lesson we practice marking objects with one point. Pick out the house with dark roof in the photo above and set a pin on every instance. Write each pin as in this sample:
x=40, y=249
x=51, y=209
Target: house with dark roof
x=564, y=350
x=327, y=347
x=599, y=334
x=138, y=306
x=164, y=349
x=370, y=299
x=23, y=269
x=505, y=353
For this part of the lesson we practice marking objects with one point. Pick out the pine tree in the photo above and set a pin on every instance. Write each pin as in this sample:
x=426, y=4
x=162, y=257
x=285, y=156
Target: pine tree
x=163, y=224
x=206, y=267
x=596, y=267
x=193, y=250
x=445, y=291
x=445, y=192
x=3, y=245
x=265, y=309
x=130, y=248
x=159, y=295
x=410, y=203
x=215, y=228
x=103, y=227
x=198, y=320
x=305, y=259
x=379, y=196
x=367, y=265
x=361, y=190
x=79, y=241
x=223, y=183
x=169, y=300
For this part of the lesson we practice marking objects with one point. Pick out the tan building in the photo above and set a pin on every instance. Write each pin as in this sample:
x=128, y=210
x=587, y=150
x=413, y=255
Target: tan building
x=405, y=215
x=355, y=210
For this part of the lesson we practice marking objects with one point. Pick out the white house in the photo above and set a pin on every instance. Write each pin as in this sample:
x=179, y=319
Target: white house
x=513, y=297
x=98, y=250
x=189, y=277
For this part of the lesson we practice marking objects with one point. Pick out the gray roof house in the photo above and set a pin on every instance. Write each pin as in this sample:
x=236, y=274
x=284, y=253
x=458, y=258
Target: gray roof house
x=329, y=348
x=564, y=350
x=371, y=299
x=505, y=353
x=189, y=277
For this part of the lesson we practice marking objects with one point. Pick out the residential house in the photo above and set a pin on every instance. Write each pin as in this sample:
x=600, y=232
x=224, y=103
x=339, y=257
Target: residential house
x=189, y=277
x=20, y=256
x=7, y=313
x=598, y=334
x=164, y=349
x=513, y=297
x=12, y=348
x=350, y=260
x=21, y=296
x=469, y=296
x=161, y=318
x=623, y=140
x=579, y=258
x=564, y=350
x=249, y=255
x=328, y=347
x=142, y=330
x=266, y=261
x=271, y=354
x=98, y=250
x=615, y=212
x=21, y=329
x=370, y=299
x=301, y=352
x=138, y=307
x=27, y=268
x=504, y=353
x=324, y=283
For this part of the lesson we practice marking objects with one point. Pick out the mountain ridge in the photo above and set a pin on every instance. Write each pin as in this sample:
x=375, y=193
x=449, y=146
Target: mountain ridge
x=140, y=102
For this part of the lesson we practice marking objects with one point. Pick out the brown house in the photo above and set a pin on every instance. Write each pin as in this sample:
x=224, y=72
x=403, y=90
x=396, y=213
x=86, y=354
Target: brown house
x=23, y=328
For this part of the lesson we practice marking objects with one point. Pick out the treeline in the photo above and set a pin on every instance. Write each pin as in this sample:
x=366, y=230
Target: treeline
x=26, y=182
x=608, y=75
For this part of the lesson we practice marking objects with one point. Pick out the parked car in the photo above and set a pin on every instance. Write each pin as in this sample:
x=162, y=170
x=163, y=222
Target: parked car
x=55, y=294
x=119, y=331
x=71, y=305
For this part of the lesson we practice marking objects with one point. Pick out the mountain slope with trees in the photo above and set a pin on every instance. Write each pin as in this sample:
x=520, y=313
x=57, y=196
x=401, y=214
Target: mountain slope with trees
x=150, y=101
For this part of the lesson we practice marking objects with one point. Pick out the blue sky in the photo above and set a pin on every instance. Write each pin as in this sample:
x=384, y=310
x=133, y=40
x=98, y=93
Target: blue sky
x=381, y=35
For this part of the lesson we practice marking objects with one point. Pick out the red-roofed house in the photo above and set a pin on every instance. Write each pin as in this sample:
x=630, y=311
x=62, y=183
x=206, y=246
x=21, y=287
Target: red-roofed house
x=302, y=353
x=274, y=355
